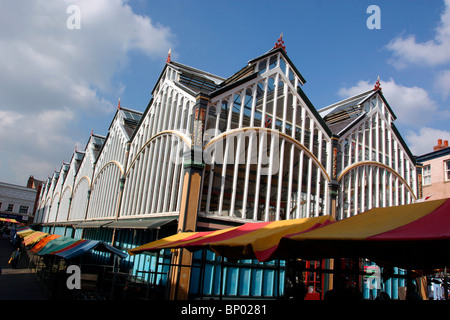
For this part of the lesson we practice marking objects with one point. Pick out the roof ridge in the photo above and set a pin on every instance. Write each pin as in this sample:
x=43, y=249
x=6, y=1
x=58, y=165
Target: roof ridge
x=364, y=93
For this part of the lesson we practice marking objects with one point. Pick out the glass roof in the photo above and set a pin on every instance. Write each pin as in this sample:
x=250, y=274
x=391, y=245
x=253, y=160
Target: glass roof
x=131, y=115
x=97, y=140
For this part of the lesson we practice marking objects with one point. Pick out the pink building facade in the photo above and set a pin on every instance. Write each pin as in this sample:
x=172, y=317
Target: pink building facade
x=435, y=176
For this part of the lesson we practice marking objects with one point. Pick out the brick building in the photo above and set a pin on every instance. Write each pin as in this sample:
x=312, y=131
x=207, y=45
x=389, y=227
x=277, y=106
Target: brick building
x=19, y=202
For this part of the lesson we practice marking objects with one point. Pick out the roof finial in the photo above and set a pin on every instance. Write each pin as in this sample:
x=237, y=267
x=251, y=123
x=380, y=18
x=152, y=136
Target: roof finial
x=92, y=132
x=118, y=106
x=168, y=56
x=377, y=84
x=280, y=43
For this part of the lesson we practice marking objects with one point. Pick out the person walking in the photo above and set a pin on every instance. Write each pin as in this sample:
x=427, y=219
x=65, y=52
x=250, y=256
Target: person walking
x=15, y=256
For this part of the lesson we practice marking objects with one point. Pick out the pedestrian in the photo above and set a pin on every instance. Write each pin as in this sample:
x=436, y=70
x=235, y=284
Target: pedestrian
x=13, y=236
x=15, y=256
x=411, y=292
x=383, y=296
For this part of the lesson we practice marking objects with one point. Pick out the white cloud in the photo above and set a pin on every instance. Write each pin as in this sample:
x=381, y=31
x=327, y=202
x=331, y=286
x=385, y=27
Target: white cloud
x=34, y=143
x=407, y=50
x=412, y=105
x=442, y=83
x=361, y=86
x=50, y=76
x=414, y=109
x=423, y=142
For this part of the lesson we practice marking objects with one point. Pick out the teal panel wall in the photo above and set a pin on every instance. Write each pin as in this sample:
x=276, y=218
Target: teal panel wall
x=212, y=277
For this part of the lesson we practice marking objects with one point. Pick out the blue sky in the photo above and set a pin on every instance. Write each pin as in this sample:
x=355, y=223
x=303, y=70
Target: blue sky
x=57, y=84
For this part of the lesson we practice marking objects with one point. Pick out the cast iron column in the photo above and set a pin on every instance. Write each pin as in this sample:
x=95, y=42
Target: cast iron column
x=190, y=200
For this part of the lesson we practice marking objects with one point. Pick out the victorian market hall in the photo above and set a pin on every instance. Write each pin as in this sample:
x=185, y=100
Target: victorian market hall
x=210, y=153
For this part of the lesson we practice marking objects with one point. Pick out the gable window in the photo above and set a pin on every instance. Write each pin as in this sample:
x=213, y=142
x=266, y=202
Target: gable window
x=262, y=66
x=273, y=62
x=427, y=175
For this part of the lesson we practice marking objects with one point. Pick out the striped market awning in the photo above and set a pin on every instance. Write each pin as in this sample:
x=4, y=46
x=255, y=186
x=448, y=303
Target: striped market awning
x=254, y=240
x=42, y=243
x=83, y=246
x=34, y=237
x=414, y=236
x=9, y=220
x=38, y=246
x=24, y=231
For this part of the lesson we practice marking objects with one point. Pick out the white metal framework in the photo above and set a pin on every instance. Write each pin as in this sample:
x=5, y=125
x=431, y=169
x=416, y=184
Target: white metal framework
x=154, y=171
x=268, y=151
x=109, y=167
x=268, y=154
x=375, y=168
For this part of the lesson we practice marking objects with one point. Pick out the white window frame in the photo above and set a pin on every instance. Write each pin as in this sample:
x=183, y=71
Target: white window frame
x=23, y=209
x=447, y=170
x=426, y=174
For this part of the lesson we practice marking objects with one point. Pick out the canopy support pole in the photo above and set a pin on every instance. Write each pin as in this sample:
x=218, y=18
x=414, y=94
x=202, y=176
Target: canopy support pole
x=445, y=283
x=334, y=185
x=190, y=201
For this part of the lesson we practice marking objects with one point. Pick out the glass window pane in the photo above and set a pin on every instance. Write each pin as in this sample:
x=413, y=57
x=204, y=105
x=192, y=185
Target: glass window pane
x=283, y=65
x=248, y=108
x=236, y=111
x=273, y=62
x=262, y=66
x=291, y=76
x=223, y=116
x=259, y=104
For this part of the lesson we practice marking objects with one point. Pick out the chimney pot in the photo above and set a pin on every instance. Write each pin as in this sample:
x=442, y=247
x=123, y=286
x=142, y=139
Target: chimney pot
x=440, y=146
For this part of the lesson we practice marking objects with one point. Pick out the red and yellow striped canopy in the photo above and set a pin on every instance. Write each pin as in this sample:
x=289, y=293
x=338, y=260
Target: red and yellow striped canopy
x=258, y=240
x=414, y=236
x=9, y=220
